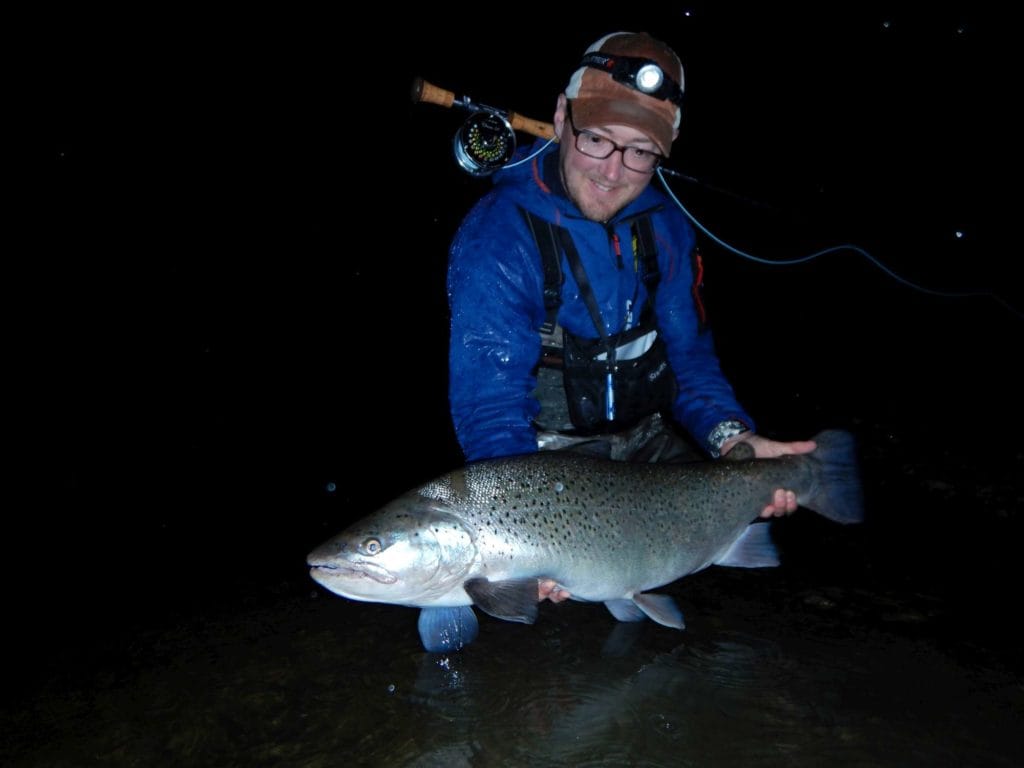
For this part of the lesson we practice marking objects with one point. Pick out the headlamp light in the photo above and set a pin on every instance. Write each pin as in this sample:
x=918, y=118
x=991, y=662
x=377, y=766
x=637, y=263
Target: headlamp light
x=643, y=75
x=649, y=78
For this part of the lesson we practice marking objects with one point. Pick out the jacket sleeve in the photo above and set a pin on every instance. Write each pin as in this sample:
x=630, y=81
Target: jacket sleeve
x=495, y=292
x=705, y=397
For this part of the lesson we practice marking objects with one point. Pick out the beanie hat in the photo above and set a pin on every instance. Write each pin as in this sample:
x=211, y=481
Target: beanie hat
x=611, y=87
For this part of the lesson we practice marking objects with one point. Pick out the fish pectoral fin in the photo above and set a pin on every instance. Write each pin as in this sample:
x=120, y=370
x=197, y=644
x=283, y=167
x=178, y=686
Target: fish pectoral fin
x=511, y=599
x=447, y=629
x=660, y=608
x=625, y=610
x=753, y=549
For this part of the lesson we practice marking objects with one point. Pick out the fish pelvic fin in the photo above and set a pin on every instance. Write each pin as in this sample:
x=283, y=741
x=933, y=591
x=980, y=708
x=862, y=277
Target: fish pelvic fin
x=625, y=610
x=447, y=629
x=837, y=492
x=511, y=599
x=660, y=608
x=753, y=548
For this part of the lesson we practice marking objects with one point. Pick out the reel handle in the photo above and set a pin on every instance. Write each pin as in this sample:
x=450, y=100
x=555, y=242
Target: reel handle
x=432, y=94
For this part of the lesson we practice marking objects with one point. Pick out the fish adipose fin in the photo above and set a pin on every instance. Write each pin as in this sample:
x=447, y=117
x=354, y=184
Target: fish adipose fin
x=742, y=451
x=511, y=600
x=447, y=629
x=753, y=549
x=660, y=608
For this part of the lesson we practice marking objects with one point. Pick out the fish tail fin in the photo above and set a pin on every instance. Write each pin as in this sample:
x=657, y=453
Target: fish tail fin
x=836, y=492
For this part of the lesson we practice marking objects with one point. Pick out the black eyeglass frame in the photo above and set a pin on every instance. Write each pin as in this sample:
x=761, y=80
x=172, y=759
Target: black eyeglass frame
x=577, y=132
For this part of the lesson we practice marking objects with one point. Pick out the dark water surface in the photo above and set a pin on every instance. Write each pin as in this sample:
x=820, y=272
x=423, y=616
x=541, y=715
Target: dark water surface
x=775, y=668
x=885, y=644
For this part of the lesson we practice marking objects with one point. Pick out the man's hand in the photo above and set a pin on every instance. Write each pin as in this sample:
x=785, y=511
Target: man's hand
x=783, y=501
x=548, y=589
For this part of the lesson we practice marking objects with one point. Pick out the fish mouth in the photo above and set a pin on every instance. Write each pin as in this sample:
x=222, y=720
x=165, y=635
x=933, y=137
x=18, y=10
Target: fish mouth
x=323, y=572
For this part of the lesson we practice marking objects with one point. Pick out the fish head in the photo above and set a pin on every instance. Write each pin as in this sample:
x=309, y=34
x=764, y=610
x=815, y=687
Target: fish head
x=414, y=551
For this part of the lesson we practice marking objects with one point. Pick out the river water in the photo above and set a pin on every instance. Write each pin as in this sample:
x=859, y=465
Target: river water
x=843, y=656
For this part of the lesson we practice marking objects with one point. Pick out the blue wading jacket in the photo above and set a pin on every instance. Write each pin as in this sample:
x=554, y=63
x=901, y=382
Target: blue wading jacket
x=495, y=291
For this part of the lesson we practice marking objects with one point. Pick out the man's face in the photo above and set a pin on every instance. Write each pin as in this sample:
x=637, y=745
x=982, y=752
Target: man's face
x=599, y=188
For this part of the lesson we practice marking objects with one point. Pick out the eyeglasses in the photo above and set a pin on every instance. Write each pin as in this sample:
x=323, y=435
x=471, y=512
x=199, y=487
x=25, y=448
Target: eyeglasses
x=599, y=147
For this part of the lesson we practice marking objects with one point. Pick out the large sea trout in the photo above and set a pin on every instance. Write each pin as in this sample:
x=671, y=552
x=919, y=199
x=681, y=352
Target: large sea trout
x=606, y=531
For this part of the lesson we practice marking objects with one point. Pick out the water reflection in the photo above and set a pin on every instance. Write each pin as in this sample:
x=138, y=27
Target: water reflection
x=734, y=698
x=325, y=682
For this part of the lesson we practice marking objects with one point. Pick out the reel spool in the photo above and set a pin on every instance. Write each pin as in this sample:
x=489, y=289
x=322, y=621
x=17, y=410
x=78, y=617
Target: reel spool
x=484, y=143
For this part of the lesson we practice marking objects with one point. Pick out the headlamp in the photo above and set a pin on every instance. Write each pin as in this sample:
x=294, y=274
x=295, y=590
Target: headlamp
x=643, y=75
x=649, y=78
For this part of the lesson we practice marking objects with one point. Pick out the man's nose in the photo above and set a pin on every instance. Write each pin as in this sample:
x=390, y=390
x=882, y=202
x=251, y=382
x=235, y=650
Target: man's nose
x=612, y=166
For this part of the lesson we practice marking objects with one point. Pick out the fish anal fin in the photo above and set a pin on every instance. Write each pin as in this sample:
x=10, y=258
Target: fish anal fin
x=510, y=599
x=753, y=548
x=447, y=629
x=660, y=608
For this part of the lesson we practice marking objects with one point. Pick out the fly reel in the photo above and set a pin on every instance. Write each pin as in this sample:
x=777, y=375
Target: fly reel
x=484, y=143
x=487, y=140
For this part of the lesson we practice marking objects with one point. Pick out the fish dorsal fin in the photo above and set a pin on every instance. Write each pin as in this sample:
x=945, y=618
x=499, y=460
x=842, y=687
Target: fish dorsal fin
x=753, y=549
x=511, y=599
x=742, y=451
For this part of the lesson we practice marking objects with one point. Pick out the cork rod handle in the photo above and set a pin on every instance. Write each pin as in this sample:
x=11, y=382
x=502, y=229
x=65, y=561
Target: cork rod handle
x=423, y=91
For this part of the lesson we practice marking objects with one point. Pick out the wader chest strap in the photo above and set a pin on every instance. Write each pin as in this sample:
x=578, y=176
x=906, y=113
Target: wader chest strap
x=550, y=257
x=547, y=237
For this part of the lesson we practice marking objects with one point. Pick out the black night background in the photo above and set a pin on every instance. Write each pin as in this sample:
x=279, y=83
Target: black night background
x=229, y=314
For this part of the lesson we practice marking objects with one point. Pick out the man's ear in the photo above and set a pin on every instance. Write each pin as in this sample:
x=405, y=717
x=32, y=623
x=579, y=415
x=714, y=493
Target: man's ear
x=559, y=121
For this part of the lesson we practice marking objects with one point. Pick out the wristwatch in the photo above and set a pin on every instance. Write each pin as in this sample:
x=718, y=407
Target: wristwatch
x=721, y=433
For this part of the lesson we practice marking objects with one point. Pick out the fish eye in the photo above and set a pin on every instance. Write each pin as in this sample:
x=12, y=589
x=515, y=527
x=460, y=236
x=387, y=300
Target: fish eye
x=372, y=546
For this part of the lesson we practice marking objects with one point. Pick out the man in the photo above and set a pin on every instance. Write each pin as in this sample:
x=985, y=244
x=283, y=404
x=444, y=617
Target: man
x=623, y=289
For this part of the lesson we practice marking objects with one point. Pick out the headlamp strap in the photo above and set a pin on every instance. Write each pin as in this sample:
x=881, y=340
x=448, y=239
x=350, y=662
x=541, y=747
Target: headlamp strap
x=624, y=69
